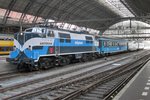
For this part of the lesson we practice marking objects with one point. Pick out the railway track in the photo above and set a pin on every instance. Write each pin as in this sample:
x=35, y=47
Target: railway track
x=102, y=86
x=25, y=89
x=12, y=74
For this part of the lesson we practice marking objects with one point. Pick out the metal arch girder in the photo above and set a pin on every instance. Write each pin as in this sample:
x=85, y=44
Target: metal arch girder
x=42, y=7
x=97, y=7
x=59, y=7
x=51, y=12
x=67, y=7
x=133, y=7
x=73, y=10
x=10, y=6
x=76, y=9
x=106, y=26
x=112, y=23
x=88, y=11
x=137, y=38
x=80, y=10
x=96, y=23
x=127, y=6
x=26, y=9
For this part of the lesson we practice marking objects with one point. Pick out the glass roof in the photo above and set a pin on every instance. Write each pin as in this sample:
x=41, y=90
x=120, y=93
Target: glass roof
x=119, y=8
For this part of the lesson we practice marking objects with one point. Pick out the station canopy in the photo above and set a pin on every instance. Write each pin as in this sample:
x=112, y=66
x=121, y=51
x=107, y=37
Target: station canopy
x=95, y=14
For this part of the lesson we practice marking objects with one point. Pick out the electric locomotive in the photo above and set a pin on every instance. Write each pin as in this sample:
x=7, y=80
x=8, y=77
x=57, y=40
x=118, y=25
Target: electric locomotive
x=37, y=48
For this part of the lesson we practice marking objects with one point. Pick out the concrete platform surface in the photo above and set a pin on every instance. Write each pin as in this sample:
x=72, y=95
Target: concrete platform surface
x=138, y=88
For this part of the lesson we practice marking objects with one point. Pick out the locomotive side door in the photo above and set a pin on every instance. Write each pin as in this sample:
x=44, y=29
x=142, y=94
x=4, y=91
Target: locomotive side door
x=100, y=46
x=57, y=45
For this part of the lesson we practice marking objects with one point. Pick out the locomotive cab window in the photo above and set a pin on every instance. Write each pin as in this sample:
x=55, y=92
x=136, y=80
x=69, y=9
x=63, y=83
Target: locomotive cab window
x=50, y=34
x=28, y=30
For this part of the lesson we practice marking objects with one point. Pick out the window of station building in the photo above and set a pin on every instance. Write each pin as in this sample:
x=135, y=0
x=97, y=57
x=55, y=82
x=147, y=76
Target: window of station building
x=88, y=39
x=64, y=37
x=50, y=34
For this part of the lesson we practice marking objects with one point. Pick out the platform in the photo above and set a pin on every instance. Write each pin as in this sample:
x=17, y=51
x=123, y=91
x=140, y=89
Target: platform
x=138, y=88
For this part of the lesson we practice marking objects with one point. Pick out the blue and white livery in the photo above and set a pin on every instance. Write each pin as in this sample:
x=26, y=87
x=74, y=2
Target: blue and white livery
x=42, y=47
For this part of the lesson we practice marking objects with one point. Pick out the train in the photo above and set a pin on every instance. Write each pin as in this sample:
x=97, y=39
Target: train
x=6, y=45
x=135, y=45
x=41, y=47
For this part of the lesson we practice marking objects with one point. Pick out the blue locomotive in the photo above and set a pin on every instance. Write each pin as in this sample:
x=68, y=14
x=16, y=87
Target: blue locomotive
x=37, y=48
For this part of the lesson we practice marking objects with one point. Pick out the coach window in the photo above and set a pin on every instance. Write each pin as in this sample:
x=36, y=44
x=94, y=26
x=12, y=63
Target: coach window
x=109, y=43
x=113, y=44
x=50, y=34
x=105, y=43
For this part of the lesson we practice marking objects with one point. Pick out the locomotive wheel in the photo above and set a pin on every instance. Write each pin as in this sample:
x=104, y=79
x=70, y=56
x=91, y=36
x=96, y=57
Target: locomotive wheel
x=46, y=65
x=50, y=63
x=84, y=58
x=29, y=67
x=64, y=61
x=68, y=60
x=20, y=67
x=93, y=56
x=42, y=64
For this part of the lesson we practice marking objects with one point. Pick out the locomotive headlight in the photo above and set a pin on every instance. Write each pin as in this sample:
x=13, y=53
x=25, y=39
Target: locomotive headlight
x=30, y=48
x=14, y=48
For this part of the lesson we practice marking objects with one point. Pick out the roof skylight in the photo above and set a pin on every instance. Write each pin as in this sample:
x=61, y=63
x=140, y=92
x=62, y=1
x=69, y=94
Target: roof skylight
x=119, y=8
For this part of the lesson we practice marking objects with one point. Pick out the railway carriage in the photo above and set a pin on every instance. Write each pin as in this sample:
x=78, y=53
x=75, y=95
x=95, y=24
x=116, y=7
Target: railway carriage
x=6, y=45
x=110, y=45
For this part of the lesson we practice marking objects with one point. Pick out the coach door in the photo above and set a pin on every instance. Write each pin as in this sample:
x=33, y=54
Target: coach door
x=100, y=46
